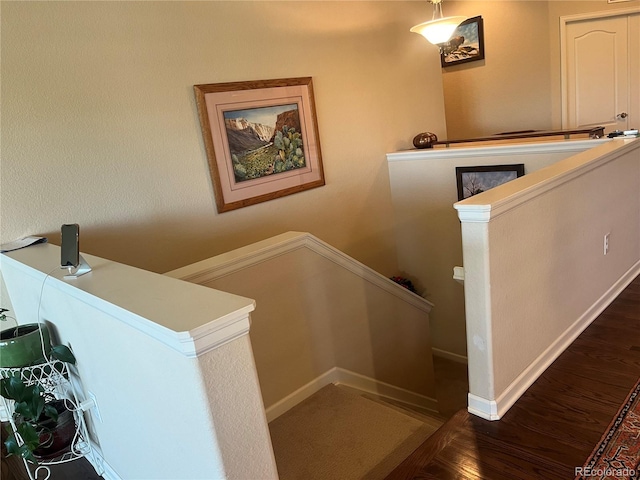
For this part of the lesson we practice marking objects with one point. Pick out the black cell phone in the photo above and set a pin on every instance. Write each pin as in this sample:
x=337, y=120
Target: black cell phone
x=70, y=249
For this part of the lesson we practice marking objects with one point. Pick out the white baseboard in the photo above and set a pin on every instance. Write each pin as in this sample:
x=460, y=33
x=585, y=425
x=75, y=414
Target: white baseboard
x=101, y=467
x=495, y=409
x=340, y=376
x=385, y=390
x=454, y=357
x=294, y=398
x=481, y=407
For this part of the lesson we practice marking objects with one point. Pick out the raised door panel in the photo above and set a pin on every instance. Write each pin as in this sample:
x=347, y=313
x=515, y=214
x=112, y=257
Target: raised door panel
x=597, y=72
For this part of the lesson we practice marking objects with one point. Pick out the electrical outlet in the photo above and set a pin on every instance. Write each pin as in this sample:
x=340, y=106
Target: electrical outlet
x=606, y=243
x=95, y=409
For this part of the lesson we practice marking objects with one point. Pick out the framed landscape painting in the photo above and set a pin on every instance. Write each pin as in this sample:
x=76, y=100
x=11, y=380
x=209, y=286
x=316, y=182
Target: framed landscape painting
x=466, y=43
x=474, y=180
x=261, y=139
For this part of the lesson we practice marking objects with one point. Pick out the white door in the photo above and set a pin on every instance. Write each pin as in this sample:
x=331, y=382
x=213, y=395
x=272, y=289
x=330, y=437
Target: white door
x=600, y=72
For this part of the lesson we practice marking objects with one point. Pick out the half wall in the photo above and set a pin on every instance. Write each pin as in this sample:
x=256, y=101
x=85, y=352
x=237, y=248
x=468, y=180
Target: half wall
x=536, y=271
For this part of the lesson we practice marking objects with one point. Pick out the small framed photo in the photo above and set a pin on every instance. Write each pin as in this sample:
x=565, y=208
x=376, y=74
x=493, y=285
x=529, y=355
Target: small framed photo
x=261, y=139
x=474, y=180
x=466, y=44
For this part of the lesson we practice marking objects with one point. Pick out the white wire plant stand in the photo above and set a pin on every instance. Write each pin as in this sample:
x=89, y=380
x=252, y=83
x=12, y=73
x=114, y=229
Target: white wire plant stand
x=57, y=379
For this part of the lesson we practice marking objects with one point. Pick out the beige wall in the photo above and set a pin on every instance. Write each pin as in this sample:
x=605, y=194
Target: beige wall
x=517, y=85
x=428, y=234
x=315, y=315
x=510, y=89
x=523, y=307
x=99, y=122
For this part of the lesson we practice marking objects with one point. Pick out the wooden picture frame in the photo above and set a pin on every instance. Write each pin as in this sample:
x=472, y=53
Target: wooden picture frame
x=261, y=139
x=466, y=43
x=474, y=180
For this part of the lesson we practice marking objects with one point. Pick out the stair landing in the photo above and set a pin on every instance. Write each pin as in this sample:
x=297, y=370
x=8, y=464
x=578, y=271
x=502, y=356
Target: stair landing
x=338, y=434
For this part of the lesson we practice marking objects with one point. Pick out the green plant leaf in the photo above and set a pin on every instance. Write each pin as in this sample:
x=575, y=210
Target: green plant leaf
x=24, y=409
x=12, y=388
x=63, y=353
x=29, y=435
x=30, y=410
x=27, y=454
x=20, y=450
x=11, y=444
x=31, y=439
x=31, y=405
x=51, y=412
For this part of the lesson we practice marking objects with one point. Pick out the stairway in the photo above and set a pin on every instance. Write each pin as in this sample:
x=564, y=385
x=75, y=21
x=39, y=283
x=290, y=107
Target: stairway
x=338, y=434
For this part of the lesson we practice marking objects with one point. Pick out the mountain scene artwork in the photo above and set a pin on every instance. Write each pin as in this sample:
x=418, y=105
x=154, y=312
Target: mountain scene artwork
x=264, y=141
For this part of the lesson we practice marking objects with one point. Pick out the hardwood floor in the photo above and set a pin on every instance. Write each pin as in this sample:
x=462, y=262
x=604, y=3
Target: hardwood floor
x=555, y=425
x=13, y=468
x=452, y=385
x=81, y=469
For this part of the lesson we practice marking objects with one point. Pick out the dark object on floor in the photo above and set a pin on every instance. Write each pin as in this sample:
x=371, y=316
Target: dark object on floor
x=405, y=282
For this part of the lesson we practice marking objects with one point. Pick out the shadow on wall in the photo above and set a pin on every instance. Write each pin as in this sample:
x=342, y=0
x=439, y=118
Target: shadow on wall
x=323, y=314
x=163, y=245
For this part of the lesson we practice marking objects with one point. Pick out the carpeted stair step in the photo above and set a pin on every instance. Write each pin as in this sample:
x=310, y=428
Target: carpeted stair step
x=339, y=435
x=429, y=417
x=433, y=419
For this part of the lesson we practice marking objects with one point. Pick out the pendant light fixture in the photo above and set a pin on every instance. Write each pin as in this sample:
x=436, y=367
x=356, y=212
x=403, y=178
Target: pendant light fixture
x=439, y=29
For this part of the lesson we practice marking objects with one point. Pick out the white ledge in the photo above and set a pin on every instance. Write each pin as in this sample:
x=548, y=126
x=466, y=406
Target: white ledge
x=226, y=263
x=188, y=318
x=470, y=151
x=487, y=205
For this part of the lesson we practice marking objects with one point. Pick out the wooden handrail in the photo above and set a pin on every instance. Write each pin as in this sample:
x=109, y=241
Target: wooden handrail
x=596, y=132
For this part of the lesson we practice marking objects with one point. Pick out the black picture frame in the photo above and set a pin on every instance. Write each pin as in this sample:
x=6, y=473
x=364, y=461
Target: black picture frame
x=474, y=180
x=466, y=43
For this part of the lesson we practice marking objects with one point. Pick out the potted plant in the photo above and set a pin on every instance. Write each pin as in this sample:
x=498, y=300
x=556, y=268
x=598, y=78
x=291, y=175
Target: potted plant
x=23, y=345
x=42, y=425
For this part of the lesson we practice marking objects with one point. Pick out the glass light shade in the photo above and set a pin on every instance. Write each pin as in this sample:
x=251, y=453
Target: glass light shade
x=440, y=30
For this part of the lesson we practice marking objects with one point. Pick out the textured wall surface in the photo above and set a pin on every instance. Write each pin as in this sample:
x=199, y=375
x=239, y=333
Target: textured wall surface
x=232, y=387
x=517, y=85
x=535, y=269
x=314, y=315
x=428, y=236
x=100, y=125
x=163, y=415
